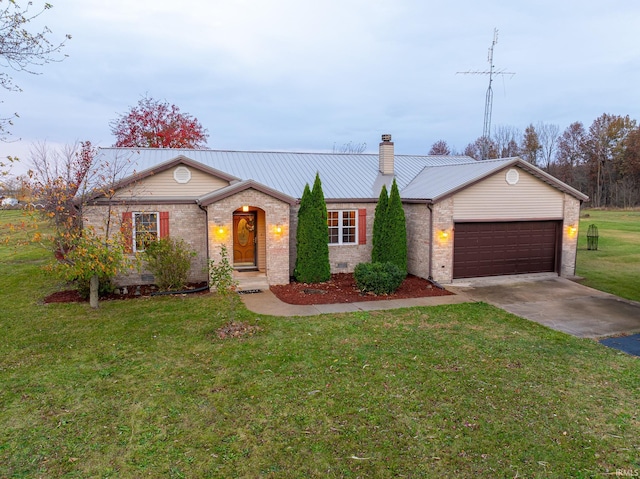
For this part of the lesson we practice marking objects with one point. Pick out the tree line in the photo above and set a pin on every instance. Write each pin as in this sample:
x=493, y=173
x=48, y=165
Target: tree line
x=602, y=161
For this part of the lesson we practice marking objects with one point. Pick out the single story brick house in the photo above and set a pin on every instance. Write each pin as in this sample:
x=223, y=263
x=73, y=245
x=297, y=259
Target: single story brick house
x=464, y=218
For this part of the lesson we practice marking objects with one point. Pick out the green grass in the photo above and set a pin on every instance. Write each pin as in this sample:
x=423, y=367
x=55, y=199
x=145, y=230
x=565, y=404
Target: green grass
x=146, y=389
x=615, y=266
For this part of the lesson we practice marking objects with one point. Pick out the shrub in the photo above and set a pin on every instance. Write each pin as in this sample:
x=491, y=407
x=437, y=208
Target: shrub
x=221, y=273
x=396, y=231
x=378, y=278
x=390, y=229
x=221, y=279
x=312, y=260
x=169, y=260
x=379, y=229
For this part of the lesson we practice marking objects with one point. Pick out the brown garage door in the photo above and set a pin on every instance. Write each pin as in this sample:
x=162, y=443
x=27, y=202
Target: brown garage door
x=515, y=247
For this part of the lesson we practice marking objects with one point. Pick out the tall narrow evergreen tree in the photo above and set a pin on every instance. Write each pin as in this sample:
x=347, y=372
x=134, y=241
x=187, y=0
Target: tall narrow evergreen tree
x=312, y=260
x=396, y=230
x=302, y=234
x=322, y=268
x=379, y=249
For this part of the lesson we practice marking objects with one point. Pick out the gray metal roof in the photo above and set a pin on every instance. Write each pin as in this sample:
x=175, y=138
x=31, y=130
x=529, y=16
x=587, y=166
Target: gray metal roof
x=433, y=183
x=343, y=175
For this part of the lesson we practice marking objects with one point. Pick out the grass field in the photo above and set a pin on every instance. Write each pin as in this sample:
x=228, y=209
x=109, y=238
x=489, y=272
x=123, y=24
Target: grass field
x=615, y=266
x=146, y=389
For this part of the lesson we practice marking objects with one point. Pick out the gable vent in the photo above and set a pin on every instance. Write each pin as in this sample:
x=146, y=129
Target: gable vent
x=512, y=177
x=182, y=174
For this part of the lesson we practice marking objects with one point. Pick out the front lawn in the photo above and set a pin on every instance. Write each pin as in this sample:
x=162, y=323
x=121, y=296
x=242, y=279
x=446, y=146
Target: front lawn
x=144, y=388
x=615, y=266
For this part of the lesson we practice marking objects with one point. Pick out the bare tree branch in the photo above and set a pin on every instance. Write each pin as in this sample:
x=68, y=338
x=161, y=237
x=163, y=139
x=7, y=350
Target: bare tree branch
x=23, y=50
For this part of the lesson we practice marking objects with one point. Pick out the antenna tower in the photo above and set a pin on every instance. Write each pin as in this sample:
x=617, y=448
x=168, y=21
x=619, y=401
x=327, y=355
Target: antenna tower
x=488, y=105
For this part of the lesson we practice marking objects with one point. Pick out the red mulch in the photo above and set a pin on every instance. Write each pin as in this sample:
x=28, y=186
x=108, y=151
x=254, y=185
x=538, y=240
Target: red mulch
x=144, y=291
x=341, y=288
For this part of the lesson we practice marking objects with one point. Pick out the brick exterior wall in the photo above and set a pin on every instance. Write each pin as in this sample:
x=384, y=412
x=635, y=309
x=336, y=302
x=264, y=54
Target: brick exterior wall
x=443, y=212
x=569, y=239
x=276, y=245
x=186, y=222
x=418, y=218
x=342, y=258
x=277, y=251
x=442, y=267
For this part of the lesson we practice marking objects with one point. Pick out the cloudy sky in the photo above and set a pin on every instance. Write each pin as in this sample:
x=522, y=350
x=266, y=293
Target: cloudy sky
x=304, y=75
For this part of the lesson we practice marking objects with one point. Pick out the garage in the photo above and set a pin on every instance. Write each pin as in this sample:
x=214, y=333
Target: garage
x=506, y=247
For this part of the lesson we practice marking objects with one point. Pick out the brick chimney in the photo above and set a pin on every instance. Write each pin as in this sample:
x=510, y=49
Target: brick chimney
x=386, y=155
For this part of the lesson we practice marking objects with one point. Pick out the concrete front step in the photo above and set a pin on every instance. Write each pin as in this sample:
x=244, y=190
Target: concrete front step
x=249, y=280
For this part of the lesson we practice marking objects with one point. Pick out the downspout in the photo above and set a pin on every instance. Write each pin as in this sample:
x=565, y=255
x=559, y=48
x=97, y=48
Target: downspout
x=206, y=234
x=575, y=261
x=430, y=241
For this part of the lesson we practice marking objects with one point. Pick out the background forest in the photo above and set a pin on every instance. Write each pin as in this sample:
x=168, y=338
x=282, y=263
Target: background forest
x=602, y=161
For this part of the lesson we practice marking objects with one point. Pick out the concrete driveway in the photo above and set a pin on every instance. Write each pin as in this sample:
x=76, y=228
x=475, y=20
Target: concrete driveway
x=556, y=302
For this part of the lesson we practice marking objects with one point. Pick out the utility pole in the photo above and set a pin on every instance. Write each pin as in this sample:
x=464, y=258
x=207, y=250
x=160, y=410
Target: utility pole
x=488, y=105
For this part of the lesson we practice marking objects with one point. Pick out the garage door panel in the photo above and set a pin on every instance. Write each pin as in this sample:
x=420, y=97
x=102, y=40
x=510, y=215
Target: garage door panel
x=503, y=248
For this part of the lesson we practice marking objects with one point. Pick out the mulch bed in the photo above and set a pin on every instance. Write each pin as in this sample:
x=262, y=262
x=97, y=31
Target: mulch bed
x=341, y=288
x=132, y=292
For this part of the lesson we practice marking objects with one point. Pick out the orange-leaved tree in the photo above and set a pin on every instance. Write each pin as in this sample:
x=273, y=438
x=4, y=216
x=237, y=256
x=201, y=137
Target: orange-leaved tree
x=92, y=261
x=157, y=124
x=63, y=182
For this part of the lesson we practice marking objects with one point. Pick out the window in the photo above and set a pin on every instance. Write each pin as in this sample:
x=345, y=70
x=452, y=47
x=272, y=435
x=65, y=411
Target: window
x=145, y=230
x=139, y=229
x=342, y=227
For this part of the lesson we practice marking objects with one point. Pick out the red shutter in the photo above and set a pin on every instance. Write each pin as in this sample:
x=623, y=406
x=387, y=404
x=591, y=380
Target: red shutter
x=126, y=228
x=164, y=224
x=362, y=226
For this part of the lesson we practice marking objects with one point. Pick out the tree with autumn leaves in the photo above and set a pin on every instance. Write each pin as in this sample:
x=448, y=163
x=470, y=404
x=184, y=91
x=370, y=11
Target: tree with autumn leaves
x=158, y=124
x=63, y=181
x=602, y=160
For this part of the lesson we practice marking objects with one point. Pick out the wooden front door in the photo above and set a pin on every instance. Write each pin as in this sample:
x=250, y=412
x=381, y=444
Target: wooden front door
x=244, y=240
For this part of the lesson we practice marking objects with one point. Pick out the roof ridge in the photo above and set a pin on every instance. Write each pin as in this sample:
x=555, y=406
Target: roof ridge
x=283, y=152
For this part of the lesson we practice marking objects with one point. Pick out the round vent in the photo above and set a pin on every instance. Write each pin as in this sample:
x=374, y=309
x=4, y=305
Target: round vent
x=182, y=174
x=512, y=176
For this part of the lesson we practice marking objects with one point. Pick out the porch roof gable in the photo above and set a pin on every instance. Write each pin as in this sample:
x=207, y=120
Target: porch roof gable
x=235, y=188
x=436, y=183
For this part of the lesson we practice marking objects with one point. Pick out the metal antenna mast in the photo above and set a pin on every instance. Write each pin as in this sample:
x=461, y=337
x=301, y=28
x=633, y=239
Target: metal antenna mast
x=488, y=105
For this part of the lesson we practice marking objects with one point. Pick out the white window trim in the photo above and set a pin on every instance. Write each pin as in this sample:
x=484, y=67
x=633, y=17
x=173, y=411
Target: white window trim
x=340, y=226
x=134, y=236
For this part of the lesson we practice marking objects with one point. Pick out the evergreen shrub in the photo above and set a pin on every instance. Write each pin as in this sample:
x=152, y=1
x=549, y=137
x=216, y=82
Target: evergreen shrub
x=396, y=231
x=378, y=278
x=312, y=260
